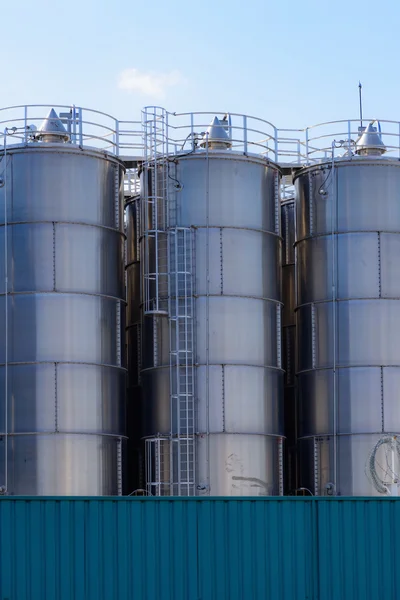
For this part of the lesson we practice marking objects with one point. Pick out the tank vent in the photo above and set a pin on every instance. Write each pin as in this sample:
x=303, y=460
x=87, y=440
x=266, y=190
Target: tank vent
x=52, y=130
x=216, y=136
x=370, y=142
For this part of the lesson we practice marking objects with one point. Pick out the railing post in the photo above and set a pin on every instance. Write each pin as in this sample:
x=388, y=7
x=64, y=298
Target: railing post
x=245, y=134
x=116, y=137
x=307, y=161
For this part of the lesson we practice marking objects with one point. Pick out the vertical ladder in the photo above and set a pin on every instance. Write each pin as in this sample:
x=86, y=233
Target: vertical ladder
x=181, y=340
x=168, y=276
x=154, y=212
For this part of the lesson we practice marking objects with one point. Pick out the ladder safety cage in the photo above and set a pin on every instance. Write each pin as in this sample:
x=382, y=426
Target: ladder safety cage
x=154, y=211
x=181, y=340
x=168, y=292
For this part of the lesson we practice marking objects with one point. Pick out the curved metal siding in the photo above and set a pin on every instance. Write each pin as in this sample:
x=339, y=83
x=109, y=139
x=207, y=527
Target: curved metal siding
x=289, y=340
x=351, y=346
x=66, y=381
x=191, y=549
x=230, y=203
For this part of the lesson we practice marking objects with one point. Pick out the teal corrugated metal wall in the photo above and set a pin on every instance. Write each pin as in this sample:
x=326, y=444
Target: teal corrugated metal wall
x=199, y=549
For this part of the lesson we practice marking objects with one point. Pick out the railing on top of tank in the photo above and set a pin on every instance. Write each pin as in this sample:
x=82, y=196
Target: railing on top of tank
x=85, y=127
x=319, y=142
x=180, y=132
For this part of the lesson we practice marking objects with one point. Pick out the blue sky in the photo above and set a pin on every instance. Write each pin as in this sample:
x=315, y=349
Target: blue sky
x=292, y=63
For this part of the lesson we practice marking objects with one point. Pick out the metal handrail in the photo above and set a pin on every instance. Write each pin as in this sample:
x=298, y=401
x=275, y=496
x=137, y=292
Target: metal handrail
x=314, y=143
x=89, y=127
x=247, y=134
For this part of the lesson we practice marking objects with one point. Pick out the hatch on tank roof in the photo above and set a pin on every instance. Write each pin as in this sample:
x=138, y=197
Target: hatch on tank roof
x=51, y=129
x=370, y=142
x=216, y=136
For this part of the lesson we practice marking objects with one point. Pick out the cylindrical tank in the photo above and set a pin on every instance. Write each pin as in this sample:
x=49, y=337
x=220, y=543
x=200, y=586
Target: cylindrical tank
x=289, y=340
x=62, y=375
x=133, y=344
x=348, y=323
x=220, y=339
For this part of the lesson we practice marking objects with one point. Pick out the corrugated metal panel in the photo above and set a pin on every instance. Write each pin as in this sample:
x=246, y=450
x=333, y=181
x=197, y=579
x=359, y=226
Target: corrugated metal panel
x=199, y=549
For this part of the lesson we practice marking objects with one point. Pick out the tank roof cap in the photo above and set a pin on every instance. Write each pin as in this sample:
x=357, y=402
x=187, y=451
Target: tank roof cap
x=216, y=136
x=370, y=142
x=52, y=129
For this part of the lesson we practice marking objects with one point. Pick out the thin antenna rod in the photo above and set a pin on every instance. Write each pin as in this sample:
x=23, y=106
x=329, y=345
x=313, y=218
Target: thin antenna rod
x=360, y=95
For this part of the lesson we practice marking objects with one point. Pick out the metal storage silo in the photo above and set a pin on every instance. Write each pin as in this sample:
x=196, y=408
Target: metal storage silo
x=348, y=307
x=289, y=339
x=211, y=362
x=133, y=341
x=62, y=375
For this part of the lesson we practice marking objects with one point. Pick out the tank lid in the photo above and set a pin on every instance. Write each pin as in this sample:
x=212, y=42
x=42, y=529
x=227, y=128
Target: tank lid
x=370, y=142
x=51, y=129
x=216, y=136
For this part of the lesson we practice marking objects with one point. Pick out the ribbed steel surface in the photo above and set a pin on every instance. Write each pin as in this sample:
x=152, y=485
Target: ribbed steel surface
x=62, y=358
x=348, y=327
x=289, y=340
x=230, y=207
x=192, y=549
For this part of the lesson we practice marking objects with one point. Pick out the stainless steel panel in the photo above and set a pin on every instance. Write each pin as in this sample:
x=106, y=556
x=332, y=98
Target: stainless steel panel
x=391, y=396
x=251, y=264
x=241, y=193
x=359, y=405
x=369, y=197
x=390, y=265
x=356, y=277
x=30, y=258
x=61, y=184
x=60, y=327
x=88, y=259
x=241, y=465
x=241, y=262
x=31, y=398
x=241, y=400
x=90, y=399
x=241, y=331
x=369, y=332
x=61, y=465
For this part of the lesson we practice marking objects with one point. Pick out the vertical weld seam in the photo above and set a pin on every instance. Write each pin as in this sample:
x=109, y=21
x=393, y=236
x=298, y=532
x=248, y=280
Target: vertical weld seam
x=316, y=468
x=223, y=398
x=311, y=203
x=54, y=257
x=379, y=265
x=277, y=205
x=221, y=259
x=382, y=404
x=55, y=399
x=313, y=337
x=279, y=336
x=116, y=191
x=287, y=235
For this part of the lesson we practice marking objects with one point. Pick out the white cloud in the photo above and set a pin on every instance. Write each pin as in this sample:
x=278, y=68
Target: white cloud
x=150, y=83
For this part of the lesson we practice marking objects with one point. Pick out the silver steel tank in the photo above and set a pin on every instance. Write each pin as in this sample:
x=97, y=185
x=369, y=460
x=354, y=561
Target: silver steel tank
x=133, y=344
x=211, y=372
x=348, y=307
x=62, y=375
x=289, y=341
